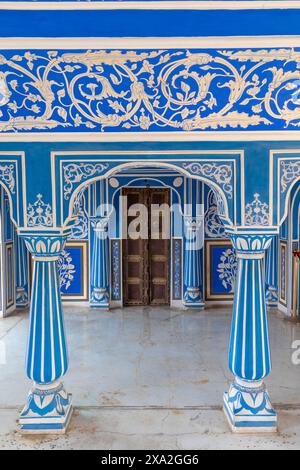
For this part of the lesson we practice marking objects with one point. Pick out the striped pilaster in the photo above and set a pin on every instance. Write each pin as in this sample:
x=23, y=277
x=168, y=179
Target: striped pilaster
x=272, y=274
x=48, y=408
x=99, y=263
x=247, y=404
x=22, y=282
x=193, y=297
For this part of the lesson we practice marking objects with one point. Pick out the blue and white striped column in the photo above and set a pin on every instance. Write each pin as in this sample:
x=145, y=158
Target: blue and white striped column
x=48, y=407
x=22, y=284
x=272, y=274
x=100, y=274
x=247, y=404
x=193, y=297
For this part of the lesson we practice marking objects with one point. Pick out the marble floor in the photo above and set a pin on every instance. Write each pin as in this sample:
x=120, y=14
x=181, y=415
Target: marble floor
x=148, y=378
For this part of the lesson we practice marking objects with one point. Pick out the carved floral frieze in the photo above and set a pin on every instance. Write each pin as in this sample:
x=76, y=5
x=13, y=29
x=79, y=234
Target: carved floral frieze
x=152, y=90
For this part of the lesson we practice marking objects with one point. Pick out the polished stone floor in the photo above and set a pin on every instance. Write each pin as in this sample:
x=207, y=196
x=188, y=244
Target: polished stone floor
x=149, y=378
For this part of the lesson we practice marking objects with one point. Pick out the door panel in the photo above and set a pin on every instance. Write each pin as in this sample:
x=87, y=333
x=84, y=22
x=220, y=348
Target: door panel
x=134, y=258
x=159, y=250
x=146, y=262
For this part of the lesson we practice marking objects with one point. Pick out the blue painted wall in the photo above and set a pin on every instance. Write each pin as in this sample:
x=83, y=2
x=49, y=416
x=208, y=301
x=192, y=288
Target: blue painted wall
x=149, y=23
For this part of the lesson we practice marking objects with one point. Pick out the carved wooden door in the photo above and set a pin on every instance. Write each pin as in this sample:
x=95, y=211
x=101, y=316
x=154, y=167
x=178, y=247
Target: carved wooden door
x=159, y=248
x=146, y=260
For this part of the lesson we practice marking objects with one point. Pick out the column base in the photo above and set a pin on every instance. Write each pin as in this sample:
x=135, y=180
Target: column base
x=48, y=410
x=271, y=297
x=22, y=300
x=194, y=305
x=248, y=409
x=193, y=298
x=100, y=306
x=100, y=298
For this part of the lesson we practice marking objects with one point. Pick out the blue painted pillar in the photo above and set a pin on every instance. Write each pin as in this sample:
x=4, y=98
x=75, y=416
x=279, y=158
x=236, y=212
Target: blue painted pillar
x=272, y=274
x=193, y=297
x=22, y=282
x=48, y=407
x=100, y=263
x=247, y=404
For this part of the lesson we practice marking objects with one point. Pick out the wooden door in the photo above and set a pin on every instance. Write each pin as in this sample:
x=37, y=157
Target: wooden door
x=159, y=250
x=146, y=261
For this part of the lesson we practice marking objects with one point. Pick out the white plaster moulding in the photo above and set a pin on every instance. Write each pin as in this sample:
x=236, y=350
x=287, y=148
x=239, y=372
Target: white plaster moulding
x=236, y=136
x=209, y=42
x=154, y=5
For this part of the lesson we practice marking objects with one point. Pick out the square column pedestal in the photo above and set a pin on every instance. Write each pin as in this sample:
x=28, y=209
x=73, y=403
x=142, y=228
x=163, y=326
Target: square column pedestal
x=248, y=408
x=48, y=410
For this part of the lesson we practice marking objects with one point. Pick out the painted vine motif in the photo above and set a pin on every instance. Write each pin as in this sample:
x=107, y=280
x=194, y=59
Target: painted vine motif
x=122, y=90
x=66, y=269
x=227, y=269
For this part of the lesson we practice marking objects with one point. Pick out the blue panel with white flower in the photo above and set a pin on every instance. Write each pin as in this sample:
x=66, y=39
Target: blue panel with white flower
x=221, y=267
x=72, y=269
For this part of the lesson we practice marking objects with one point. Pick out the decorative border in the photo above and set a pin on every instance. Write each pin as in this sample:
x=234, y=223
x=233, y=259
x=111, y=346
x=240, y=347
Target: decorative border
x=10, y=275
x=84, y=277
x=208, y=270
x=116, y=269
x=283, y=249
x=240, y=113
x=177, y=268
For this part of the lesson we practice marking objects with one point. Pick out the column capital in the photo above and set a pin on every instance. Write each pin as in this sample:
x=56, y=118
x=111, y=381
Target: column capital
x=45, y=247
x=193, y=223
x=99, y=224
x=100, y=295
x=250, y=244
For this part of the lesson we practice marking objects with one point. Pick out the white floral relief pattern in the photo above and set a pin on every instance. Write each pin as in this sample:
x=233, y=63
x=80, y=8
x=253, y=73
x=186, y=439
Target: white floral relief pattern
x=213, y=226
x=81, y=225
x=75, y=173
x=7, y=176
x=227, y=269
x=187, y=90
x=221, y=173
x=257, y=212
x=66, y=270
x=290, y=170
x=39, y=214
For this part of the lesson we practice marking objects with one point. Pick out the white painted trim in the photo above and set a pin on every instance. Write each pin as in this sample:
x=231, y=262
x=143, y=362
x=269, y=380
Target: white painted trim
x=141, y=43
x=154, y=5
x=230, y=136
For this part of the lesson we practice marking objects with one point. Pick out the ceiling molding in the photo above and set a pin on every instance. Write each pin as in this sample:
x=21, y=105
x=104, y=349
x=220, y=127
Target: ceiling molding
x=153, y=5
x=113, y=137
x=80, y=43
